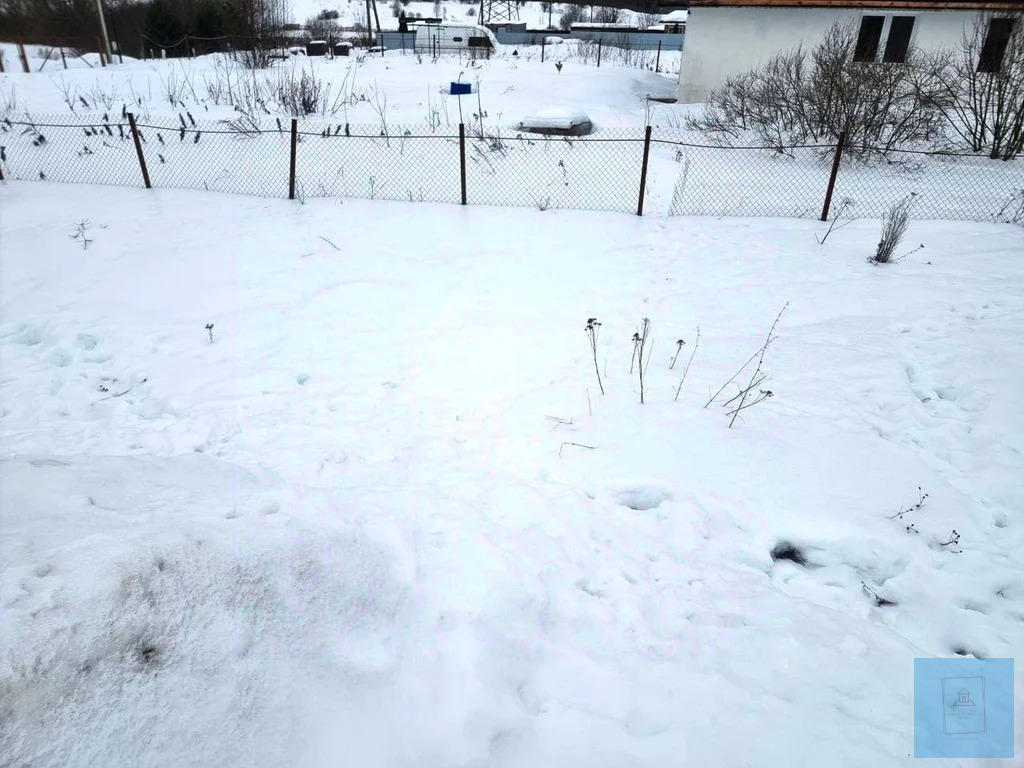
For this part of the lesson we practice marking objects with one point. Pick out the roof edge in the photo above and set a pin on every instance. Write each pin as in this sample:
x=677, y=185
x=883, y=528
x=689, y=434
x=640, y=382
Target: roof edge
x=920, y=5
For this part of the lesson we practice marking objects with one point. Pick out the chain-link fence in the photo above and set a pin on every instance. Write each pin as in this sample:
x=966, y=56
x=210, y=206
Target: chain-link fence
x=795, y=181
x=314, y=157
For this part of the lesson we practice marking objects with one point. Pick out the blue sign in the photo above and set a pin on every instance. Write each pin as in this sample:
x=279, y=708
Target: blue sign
x=963, y=707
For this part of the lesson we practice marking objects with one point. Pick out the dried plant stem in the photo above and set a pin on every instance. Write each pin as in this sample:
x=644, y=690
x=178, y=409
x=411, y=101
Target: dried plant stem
x=731, y=379
x=757, y=371
x=696, y=343
x=641, y=368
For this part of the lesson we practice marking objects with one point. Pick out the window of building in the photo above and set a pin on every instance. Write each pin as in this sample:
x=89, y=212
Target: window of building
x=889, y=34
x=456, y=39
x=869, y=37
x=993, y=49
x=897, y=44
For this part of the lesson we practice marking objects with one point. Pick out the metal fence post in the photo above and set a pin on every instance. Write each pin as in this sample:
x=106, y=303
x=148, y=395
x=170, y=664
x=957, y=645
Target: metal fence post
x=543, y=41
x=63, y=60
x=99, y=50
x=643, y=172
x=138, y=150
x=23, y=56
x=832, y=176
x=657, y=64
x=599, y=53
x=291, y=167
x=462, y=159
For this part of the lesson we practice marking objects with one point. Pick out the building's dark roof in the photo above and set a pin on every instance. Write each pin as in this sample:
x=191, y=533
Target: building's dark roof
x=924, y=5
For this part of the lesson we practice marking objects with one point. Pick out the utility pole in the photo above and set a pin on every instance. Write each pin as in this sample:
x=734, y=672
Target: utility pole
x=103, y=29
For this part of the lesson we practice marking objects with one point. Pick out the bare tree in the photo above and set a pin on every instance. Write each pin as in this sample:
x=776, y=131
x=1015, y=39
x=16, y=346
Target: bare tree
x=983, y=82
x=259, y=24
x=802, y=96
x=320, y=27
x=571, y=15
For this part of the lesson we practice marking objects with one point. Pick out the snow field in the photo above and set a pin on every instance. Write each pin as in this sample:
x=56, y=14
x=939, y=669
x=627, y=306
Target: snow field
x=348, y=530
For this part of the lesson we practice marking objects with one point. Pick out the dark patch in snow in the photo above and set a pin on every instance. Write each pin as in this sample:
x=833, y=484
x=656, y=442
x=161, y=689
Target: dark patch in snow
x=961, y=650
x=785, y=550
x=146, y=653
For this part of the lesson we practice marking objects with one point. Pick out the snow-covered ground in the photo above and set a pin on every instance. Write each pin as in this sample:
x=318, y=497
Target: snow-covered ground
x=386, y=518
x=210, y=86
x=408, y=95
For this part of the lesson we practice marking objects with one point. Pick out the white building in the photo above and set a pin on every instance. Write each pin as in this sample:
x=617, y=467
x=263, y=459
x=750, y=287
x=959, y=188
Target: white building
x=728, y=37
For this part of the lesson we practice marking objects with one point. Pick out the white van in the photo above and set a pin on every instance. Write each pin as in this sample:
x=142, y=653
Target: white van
x=448, y=37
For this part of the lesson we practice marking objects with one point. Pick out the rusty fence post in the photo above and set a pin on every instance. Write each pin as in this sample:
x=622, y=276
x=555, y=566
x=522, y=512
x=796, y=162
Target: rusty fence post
x=138, y=150
x=291, y=167
x=23, y=56
x=462, y=159
x=643, y=172
x=63, y=60
x=99, y=50
x=832, y=176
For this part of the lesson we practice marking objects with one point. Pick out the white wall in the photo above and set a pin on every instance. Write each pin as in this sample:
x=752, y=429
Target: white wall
x=725, y=41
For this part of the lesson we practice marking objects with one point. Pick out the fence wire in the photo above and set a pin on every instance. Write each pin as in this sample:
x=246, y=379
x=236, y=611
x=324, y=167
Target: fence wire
x=67, y=149
x=764, y=181
x=601, y=171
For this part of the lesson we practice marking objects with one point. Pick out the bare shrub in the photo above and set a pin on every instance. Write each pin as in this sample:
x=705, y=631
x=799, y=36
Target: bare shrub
x=647, y=20
x=299, y=96
x=803, y=96
x=894, y=227
x=985, y=97
x=585, y=51
x=607, y=15
x=628, y=53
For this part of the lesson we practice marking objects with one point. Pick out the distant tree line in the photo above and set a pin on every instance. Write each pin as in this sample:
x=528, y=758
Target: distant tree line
x=210, y=25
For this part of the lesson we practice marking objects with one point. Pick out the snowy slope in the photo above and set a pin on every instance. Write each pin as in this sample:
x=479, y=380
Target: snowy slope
x=353, y=530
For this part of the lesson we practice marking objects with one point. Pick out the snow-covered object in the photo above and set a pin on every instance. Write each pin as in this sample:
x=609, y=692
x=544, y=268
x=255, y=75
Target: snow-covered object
x=553, y=40
x=448, y=36
x=557, y=120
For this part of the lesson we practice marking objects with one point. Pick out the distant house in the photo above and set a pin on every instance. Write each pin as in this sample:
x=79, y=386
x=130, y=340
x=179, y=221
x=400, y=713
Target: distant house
x=675, y=22
x=728, y=37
